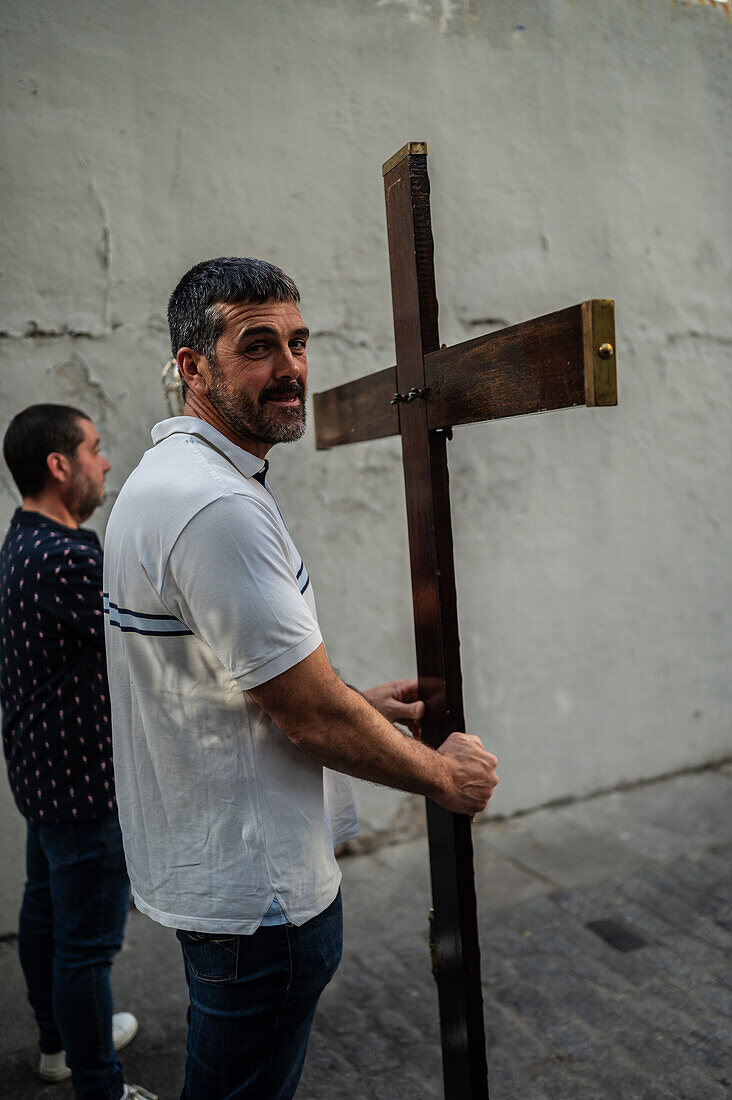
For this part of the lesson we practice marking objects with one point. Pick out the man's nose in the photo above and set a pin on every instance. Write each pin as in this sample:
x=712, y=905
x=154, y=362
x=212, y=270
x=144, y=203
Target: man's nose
x=287, y=364
x=106, y=465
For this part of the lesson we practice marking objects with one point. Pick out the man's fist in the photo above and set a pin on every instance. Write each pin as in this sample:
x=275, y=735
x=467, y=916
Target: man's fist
x=471, y=774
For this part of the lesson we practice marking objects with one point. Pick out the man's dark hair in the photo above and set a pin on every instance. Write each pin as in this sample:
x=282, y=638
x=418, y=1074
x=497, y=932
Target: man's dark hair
x=33, y=435
x=193, y=319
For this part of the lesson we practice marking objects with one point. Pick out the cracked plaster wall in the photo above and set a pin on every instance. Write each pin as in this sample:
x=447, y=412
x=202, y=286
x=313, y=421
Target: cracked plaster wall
x=576, y=150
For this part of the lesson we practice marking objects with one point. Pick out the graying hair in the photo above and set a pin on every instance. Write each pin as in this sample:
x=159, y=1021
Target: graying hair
x=194, y=318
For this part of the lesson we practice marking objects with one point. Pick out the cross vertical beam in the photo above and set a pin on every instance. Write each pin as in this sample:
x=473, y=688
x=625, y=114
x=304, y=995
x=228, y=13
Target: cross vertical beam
x=559, y=361
x=457, y=950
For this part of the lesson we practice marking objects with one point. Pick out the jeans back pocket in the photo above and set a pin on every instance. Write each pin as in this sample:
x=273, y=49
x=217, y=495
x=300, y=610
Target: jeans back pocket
x=210, y=956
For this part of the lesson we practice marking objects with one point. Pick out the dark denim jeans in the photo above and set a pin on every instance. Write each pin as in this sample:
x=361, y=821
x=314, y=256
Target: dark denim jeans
x=253, y=999
x=71, y=925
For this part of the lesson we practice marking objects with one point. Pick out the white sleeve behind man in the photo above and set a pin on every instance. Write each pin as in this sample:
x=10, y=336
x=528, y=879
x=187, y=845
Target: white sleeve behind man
x=231, y=577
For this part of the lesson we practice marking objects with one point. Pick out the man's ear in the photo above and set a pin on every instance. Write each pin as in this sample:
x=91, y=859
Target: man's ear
x=194, y=369
x=59, y=467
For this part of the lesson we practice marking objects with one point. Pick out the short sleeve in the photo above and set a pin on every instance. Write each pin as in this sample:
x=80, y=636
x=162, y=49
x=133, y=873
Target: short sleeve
x=230, y=578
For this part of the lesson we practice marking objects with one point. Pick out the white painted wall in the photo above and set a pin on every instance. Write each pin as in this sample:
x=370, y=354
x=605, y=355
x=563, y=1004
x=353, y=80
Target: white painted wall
x=576, y=150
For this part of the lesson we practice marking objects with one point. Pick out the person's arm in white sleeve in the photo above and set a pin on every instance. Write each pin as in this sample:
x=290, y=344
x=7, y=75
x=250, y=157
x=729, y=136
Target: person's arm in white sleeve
x=230, y=581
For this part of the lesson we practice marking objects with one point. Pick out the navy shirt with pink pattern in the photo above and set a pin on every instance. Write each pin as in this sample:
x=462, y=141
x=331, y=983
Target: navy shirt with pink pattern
x=53, y=676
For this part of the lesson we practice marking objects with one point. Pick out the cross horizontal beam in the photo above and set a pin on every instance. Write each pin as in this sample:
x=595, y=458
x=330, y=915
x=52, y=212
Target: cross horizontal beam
x=562, y=360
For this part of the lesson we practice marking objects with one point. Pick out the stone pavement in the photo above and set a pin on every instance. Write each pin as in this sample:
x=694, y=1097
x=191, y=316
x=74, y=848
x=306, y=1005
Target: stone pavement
x=568, y=1014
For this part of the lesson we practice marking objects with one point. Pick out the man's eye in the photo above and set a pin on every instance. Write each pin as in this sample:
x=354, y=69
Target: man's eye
x=298, y=345
x=256, y=349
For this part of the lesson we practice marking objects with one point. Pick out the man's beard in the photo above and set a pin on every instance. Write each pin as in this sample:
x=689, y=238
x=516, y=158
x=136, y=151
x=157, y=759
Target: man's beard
x=256, y=419
x=86, y=497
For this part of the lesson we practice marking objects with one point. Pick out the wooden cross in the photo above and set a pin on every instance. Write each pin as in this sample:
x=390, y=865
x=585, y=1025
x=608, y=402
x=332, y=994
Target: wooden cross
x=553, y=362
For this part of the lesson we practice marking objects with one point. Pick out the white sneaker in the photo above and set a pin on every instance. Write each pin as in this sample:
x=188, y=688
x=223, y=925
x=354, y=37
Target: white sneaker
x=131, y=1091
x=52, y=1067
x=124, y=1029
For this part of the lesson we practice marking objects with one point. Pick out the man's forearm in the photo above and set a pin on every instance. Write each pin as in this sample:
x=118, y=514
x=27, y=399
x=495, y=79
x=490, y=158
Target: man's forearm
x=355, y=738
x=337, y=727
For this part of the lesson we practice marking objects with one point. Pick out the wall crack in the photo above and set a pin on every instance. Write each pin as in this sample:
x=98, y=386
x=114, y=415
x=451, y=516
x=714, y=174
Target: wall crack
x=706, y=337
x=34, y=331
x=104, y=248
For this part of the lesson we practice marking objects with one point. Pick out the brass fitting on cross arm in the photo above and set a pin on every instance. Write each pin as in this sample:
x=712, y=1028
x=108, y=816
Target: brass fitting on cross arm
x=414, y=393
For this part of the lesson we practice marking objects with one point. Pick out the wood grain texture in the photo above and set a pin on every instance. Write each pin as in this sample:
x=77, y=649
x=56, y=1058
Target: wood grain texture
x=549, y=362
x=414, y=301
x=527, y=368
x=356, y=411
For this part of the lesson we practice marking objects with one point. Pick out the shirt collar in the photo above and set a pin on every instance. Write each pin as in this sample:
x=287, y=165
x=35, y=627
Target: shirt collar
x=24, y=518
x=244, y=461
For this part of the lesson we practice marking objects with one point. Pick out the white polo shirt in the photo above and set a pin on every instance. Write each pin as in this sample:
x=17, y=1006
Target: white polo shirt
x=206, y=597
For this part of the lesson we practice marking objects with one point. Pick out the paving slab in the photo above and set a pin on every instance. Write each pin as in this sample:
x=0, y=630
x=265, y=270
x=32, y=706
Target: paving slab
x=567, y=1014
x=559, y=850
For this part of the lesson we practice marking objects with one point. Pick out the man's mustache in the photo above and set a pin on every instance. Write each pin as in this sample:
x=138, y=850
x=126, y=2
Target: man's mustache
x=284, y=388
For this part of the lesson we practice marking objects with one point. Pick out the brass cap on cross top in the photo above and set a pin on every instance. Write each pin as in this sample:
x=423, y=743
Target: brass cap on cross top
x=412, y=148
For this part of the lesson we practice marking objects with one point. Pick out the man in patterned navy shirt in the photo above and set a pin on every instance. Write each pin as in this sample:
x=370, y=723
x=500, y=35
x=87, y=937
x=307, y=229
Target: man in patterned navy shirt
x=57, y=742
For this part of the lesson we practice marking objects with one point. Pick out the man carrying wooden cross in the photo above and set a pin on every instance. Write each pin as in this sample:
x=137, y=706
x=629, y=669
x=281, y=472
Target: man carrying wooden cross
x=231, y=729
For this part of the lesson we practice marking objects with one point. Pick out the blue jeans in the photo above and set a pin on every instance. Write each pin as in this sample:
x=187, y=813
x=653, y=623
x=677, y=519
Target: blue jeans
x=252, y=1002
x=72, y=922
